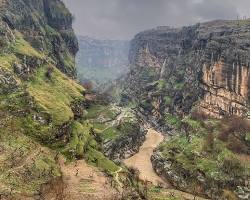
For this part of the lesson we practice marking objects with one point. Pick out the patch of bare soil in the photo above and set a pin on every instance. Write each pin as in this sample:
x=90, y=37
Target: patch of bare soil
x=244, y=158
x=86, y=182
x=82, y=182
x=142, y=162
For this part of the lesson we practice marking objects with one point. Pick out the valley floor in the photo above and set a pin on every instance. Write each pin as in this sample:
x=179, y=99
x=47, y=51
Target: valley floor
x=142, y=162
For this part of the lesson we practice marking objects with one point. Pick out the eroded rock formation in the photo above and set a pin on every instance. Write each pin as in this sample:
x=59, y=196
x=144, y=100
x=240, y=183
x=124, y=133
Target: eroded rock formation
x=206, y=65
x=226, y=89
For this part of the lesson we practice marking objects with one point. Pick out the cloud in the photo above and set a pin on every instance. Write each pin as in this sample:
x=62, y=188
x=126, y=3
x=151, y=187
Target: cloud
x=122, y=19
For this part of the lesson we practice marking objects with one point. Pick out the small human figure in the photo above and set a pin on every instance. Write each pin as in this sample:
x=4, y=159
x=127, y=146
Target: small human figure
x=77, y=172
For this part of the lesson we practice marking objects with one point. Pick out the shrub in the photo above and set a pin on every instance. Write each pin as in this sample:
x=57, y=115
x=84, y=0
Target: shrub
x=236, y=145
x=209, y=142
x=49, y=72
x=88, y=85
x=232, y=166
x=233, y=126
x=173, y=121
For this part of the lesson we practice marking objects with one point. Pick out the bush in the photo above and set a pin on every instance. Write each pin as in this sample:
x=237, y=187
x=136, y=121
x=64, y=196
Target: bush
x=236, y=145
x=209, y=142
x=233, y=126
x=49, y=72
x=232, y=166
x=228, y=195
x=173, y=121
x=233, y=131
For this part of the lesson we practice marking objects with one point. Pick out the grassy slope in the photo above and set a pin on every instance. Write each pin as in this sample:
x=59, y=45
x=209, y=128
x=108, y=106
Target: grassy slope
x=203, y=152
x=25, y=163
x=54, y=95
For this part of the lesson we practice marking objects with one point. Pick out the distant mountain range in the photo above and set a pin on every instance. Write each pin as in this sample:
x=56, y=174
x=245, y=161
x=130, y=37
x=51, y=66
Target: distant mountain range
x=101, y=60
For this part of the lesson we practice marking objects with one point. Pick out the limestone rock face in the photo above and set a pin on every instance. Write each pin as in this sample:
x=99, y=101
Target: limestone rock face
x=226, y=89
x=205, y=65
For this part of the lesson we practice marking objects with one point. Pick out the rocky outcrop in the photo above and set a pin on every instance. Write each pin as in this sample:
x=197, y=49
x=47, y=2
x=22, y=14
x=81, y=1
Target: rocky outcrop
x=206, y=65
x=125, y=146
x=47, y=25
x=182, y=179
x=8, y=83
x=226, y=89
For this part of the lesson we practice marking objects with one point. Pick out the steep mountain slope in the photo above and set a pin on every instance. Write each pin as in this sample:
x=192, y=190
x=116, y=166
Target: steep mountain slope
x=102, y=60
x=41, y=107
x=179, y=79
x=48, y=122
x=207, y=62
x=30, y=99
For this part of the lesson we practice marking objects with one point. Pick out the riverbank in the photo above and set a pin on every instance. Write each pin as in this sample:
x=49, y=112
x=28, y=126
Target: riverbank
x=142, y=162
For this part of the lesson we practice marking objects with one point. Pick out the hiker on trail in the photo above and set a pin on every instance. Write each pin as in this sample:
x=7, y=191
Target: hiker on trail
x=77, y=172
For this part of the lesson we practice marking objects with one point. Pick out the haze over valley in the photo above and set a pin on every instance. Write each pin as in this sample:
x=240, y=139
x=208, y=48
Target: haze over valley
x=124, y=100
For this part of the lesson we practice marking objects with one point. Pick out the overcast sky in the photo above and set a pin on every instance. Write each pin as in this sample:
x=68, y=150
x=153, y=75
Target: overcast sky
x=122, y=19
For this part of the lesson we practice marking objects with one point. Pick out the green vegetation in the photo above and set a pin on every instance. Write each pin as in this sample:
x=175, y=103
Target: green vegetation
x=110, y=133
x=98, y=159
x=189, y=157
x=168, y=100
x=173, y=120
x=204, y=148
x=161, y=84
x=248, y=137
x=30, y=117
x=193, y=124
x=6, y=60
x=94, y=111
x=52, y=97
x=80, y=139
x=22, y=47
x=33, y=163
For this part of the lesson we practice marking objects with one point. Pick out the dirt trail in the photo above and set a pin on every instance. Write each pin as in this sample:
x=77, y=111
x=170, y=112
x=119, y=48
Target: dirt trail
x=141, y=160
x=86, y=182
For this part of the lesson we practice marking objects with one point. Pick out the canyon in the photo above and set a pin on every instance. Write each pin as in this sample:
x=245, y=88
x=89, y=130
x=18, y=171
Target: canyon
x=209, y=60
x=101, y=61
x=189, y=87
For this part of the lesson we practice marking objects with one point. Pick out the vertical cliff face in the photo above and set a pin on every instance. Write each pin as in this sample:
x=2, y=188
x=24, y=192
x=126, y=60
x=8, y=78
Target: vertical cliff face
x=206, y=65
x=226, y=90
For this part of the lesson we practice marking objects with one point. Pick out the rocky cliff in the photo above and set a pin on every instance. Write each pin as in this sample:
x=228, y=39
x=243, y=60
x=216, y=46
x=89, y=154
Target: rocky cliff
x=192, y=82
x=102, y=60
x=206, y=65
x=47, y=26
